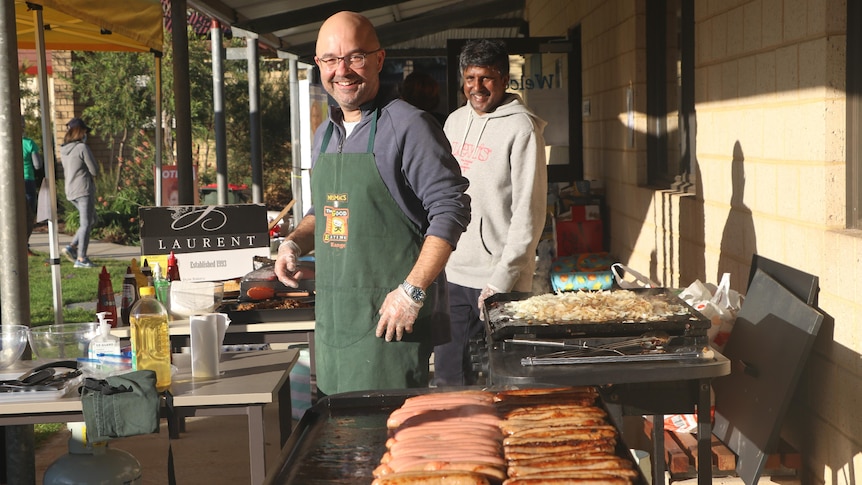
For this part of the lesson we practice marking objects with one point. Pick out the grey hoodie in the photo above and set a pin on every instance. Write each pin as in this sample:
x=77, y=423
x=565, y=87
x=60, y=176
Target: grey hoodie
x=503, y=155
x=79, y=169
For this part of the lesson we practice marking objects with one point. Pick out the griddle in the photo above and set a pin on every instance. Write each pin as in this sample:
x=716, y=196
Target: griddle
x=688, y=323
x=341, y=439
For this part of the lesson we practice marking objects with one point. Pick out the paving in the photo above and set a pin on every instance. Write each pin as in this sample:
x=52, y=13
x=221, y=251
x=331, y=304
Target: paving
x=40, y=242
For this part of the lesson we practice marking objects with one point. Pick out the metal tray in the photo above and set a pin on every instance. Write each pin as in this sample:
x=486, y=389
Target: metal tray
x=500, y=326
x=266, y=315
x=341, y=439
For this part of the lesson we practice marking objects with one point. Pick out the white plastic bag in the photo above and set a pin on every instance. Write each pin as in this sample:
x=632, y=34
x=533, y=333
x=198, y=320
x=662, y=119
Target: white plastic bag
x=719, y=305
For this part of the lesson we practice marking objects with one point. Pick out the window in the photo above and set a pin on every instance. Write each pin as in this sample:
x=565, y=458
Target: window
x=670, y=91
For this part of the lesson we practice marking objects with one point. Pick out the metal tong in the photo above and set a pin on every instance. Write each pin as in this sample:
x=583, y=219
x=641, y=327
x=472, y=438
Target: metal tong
x=42, y=378
x=648, y=341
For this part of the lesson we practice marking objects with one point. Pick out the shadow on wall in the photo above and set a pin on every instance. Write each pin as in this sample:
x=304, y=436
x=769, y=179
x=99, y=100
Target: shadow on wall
x=738, y=241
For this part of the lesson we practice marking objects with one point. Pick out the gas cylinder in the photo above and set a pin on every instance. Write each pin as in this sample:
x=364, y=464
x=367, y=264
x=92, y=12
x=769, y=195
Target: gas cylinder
x=88, y=463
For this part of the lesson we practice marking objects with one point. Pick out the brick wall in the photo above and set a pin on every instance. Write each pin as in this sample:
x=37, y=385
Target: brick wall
x=67, y=107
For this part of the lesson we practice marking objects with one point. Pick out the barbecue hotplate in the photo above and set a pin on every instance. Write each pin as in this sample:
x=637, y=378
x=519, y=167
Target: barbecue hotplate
x=676, y=318
x=668, y=330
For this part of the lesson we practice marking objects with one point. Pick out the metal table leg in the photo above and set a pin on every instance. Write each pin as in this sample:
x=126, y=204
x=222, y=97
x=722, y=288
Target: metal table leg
x=704, y=434
x=658, y=461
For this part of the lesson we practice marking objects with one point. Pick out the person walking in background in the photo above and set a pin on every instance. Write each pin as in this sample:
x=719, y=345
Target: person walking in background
x=499, y=144
x=388, y=207
x=80, y=170
x=32, y=164
x=423, y=91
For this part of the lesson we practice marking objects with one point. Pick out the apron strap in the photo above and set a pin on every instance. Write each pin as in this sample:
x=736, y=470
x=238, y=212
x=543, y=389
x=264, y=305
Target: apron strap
x=326, y=136
x=373, y=131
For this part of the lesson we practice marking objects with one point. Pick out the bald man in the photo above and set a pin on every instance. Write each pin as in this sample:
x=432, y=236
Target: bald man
x=392, y=204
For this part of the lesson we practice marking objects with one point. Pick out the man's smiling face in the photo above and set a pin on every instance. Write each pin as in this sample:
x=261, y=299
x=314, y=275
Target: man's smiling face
x=351, y=87
x=484, y=88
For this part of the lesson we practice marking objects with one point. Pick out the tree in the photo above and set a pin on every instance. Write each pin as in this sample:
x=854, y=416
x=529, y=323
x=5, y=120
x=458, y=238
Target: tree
x=118, y=89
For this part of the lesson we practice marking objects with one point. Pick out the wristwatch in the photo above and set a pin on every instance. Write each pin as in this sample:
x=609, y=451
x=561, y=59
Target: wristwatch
x=416, y=294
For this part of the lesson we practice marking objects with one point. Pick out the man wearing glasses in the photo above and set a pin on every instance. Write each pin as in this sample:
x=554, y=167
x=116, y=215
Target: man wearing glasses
x=388, y=207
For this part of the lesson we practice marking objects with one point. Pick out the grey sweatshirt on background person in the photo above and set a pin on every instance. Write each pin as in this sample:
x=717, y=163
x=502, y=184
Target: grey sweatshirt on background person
x=79, y=169
x=502, y=153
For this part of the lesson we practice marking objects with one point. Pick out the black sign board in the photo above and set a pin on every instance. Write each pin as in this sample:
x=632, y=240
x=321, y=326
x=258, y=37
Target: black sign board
x=211, y=242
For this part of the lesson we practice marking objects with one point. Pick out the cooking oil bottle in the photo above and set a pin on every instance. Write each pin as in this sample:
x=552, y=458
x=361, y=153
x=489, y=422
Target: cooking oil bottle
x=151, y=342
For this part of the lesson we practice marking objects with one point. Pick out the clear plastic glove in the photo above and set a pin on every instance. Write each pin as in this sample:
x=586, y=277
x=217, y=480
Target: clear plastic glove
x=286, y=264
x=397, y=315
x=487, y=292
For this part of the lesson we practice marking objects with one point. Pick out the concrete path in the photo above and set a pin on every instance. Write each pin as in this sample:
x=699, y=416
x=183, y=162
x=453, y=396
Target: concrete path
x=40, y=241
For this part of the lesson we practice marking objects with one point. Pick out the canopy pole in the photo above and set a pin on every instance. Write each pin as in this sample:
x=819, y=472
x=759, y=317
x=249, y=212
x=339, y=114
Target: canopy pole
x=19, y=459
x=254, y=119
x=50, y=164
x=218, y=110
x=159, y=134
x=295, y=139
x=182, y=102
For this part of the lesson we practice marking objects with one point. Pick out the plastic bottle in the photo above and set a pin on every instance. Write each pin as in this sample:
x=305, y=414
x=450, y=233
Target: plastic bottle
x=139, y=277
x=106, y=302
x=151, y=343
x=104, y=342
x=162, y=286
x=148, y=274
x=173, y=271
x=130, y=296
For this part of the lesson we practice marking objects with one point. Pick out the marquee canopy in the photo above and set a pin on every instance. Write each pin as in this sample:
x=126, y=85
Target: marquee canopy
x=93, y=25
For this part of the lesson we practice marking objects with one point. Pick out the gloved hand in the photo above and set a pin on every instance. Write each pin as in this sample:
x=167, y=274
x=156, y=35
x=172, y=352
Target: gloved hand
x=285, y=264
x=397, y=315
x=487, y=292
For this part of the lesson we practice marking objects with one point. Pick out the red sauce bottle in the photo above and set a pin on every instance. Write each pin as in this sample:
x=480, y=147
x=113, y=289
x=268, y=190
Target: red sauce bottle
x=173, y=271
x=106, y=302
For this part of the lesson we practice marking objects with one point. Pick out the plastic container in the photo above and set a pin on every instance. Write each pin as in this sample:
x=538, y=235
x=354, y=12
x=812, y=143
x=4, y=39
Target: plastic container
x=62, y=341
x=13, y=341
x=104, y=342
x=163, y=286
x=130, y=296
x=151, y=343
x=193, y=297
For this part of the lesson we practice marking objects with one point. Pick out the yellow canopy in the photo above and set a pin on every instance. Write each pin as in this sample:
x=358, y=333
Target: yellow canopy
x=93, y=25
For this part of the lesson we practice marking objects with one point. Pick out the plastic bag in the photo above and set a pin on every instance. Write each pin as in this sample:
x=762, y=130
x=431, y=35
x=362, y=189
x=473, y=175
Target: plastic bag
x=717, y=303
x=720, y=304
x=637, y=280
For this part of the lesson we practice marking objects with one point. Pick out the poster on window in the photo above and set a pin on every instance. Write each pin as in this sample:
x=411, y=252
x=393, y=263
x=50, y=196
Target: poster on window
x=171, y=185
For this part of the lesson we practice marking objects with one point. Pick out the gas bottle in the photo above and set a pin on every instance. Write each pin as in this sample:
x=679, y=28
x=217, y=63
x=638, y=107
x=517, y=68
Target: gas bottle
x=93, y=463
x=151, y=342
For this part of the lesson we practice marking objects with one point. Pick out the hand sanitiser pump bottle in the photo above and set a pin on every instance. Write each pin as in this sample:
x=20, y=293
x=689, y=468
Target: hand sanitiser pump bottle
x=151, y=343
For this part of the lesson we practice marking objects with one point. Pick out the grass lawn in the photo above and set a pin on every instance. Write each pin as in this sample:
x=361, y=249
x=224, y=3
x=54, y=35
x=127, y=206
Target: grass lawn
x=77, y=285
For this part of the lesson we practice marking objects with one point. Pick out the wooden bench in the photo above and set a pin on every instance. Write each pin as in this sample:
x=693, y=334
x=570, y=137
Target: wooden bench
x=680, y=453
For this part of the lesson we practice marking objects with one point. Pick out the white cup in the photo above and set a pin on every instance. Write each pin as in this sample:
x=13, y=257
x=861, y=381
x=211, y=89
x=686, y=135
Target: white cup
x=206, y=338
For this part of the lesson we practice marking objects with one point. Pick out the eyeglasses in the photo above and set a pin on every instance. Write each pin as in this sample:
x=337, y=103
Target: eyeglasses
x=353, y=61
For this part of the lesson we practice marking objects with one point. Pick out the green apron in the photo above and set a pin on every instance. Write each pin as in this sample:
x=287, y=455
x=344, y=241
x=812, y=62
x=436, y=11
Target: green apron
x=364, y=247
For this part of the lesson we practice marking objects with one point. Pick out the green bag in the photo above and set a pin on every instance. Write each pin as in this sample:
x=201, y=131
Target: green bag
x=121, y=405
